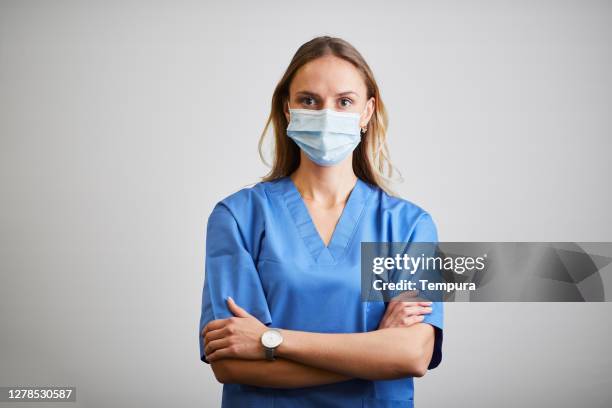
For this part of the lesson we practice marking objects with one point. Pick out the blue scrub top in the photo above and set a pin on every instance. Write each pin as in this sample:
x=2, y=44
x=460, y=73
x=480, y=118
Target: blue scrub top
x=263, y=249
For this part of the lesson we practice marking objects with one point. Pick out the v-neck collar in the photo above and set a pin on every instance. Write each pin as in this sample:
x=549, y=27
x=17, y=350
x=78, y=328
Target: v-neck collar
x=343, y=232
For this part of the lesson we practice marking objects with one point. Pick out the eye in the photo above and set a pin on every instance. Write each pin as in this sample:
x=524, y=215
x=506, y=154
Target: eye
x=345, y=102
x=308, y=101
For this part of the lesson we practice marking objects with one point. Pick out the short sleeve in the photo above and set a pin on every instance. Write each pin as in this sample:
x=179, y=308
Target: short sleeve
x=229, y=271
x=426, y=231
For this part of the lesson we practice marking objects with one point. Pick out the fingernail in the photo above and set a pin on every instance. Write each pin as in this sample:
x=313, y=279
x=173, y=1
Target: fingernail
x=429, y=309
x=421, y=317
x=230, y=298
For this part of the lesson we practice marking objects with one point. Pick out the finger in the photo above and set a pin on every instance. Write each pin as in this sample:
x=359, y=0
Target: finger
x=214, y=325
x=421, y=304
x=404, y=304
x=408, y=317
x=397, y=310
x=410, y=320
x=417, y=309
x=393, y=304
x=397, y=307
x=215, y=334
x=214, y=345
x=235, y=309
x=221, y=353
x=413, y=310
x=415, y=301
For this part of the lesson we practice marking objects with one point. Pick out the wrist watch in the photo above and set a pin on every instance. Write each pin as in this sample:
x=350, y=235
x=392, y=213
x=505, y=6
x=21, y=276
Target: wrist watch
x=270, y=340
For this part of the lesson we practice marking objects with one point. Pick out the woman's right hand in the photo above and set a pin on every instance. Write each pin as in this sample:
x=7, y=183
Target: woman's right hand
x=401, y=313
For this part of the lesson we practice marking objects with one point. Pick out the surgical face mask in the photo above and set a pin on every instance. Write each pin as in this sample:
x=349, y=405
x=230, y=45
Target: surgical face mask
x=326, y=136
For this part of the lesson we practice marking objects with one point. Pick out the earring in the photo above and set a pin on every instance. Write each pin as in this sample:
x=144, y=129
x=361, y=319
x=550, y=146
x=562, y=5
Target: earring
x=364, y=130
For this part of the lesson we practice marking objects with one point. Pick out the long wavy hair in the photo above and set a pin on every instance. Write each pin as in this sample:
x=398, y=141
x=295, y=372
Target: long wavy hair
x=371, y=159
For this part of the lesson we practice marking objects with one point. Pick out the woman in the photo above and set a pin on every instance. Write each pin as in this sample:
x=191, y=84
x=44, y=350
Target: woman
x=282, y=322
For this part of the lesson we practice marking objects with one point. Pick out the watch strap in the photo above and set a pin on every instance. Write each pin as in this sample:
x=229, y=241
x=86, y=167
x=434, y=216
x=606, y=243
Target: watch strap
x=269, y=353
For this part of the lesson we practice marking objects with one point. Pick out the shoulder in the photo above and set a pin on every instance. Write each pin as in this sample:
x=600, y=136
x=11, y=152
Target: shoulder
x=413, y=218
x=240, y=215
x=247, y=201
x=246, y=196
x=399, y=207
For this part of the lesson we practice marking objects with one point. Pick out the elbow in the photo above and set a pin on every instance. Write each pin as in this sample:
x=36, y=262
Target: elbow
x=413, y=355
x=409, y=368
x=419, y=369
x=414, y=363
x=222, y=371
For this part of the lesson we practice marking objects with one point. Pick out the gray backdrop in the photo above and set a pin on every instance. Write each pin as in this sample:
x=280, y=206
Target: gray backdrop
x=122, y=123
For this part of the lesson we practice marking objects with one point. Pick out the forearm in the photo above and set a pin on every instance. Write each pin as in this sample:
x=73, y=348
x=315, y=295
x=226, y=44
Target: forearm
x=280, y=373
x=377, y=355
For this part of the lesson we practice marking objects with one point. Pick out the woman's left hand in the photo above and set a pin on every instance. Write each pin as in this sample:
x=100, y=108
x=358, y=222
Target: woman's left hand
x=235, y=337
x=405, y=310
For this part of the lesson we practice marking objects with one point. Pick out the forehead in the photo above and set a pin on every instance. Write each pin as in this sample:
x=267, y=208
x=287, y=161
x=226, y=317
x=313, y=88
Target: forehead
x=328, y=75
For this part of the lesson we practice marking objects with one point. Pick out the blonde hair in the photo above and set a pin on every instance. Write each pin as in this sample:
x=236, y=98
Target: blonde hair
x=371, y=159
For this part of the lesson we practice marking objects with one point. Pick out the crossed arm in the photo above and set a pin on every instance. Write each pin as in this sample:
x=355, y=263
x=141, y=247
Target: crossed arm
x=402, y=346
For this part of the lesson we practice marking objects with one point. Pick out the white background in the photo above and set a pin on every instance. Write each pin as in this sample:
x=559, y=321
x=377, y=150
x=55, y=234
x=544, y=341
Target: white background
x=122, y=123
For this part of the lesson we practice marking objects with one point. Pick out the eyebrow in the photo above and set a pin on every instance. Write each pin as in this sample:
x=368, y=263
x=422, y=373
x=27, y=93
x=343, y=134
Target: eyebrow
x=345, y=93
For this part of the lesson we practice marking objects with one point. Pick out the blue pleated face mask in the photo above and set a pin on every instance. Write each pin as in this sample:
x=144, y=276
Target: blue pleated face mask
x=326, y=136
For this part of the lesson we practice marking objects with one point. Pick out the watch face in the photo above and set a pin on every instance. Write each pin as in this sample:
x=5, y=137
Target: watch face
x=271, y=338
